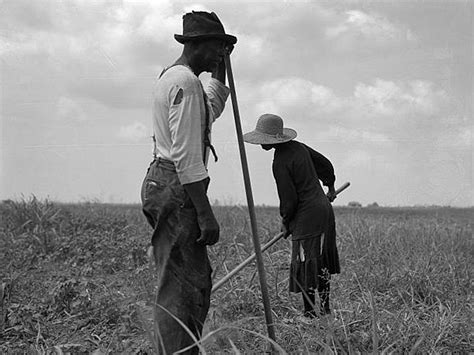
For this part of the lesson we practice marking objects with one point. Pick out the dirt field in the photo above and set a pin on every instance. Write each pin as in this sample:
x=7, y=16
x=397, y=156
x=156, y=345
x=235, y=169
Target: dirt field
x=75, y=278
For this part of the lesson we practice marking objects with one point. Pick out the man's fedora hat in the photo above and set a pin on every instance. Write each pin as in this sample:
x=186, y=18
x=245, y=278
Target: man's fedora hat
x=269, y=130
x=202, y=25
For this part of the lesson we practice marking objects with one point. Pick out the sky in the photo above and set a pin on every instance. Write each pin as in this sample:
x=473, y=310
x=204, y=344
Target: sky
x=383, y=89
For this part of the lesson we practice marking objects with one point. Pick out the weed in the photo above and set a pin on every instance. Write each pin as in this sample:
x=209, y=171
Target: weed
x=75, y=278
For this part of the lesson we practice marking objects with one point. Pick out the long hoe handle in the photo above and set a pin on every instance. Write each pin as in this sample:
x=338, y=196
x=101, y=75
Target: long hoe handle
x=248, y=191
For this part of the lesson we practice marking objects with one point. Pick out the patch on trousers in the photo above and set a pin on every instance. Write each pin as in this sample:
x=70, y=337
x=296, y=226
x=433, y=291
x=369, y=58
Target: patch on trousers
x=178, y=98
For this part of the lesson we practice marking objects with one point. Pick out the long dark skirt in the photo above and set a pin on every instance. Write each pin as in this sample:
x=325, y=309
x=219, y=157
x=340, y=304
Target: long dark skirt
x=313, y=260
x=306, y=264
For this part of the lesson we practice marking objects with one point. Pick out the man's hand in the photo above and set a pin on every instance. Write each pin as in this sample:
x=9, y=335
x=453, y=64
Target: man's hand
x=219, y=72
x=206, y=220
x=331, y=195
x=284, y=229
x=209, y=229
x=228, y=49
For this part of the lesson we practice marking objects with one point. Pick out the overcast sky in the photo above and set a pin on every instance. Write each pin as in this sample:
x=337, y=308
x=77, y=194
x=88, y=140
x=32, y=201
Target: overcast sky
x=383, y=89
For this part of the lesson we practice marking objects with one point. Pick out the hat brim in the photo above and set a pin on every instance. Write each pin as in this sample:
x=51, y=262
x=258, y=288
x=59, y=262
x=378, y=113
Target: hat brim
x=225, y=37
x=256, y=137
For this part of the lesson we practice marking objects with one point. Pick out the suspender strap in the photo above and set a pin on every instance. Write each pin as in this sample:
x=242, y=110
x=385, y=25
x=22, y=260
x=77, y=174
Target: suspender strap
x=207, y=131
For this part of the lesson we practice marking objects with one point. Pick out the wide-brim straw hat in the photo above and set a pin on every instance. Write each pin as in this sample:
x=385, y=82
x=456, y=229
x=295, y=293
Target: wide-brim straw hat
x=203, y=25
x=270, y=130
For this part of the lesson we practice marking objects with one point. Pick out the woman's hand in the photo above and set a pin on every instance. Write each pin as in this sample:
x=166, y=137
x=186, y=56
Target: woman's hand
x=285, y=231
x=331, y=195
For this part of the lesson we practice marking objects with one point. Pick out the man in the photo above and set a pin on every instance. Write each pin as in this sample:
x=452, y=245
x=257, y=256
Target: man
x=174, y=192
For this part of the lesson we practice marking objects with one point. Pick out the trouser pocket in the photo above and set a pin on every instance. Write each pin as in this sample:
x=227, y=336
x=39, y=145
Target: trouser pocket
x=161, y=193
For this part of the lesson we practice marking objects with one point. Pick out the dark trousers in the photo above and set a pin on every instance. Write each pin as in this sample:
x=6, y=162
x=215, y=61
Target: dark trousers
x=183, y=267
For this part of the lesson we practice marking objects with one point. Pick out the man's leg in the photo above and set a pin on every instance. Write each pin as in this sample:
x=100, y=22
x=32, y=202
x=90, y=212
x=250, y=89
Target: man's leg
x=183, y=268
x=184, y=281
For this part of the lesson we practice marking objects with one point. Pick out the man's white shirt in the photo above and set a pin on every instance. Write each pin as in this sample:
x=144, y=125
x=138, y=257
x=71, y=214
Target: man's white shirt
x=178, y=127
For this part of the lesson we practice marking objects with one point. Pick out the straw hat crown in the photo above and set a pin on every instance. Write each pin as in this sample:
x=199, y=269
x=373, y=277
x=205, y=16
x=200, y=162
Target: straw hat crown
x=270, y=130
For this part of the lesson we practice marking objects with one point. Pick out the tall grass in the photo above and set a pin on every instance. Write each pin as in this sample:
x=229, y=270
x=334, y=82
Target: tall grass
x=405, y=284
x=76, y=278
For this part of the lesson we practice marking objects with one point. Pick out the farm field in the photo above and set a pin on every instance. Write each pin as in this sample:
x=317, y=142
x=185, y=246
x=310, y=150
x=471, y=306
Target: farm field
x=76, y=279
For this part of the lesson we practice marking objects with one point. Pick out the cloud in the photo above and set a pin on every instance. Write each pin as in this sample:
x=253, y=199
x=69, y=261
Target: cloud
x=102, y=50
x=358, y=25
x=348, y=135
x=407, y=112
x=465, y=138
x=196, y=7
x=135, y=132
x=459, y=137
x=292, y=93
x=248, y=46
x=380, y=98
x=275, y=34
x=378, y=113
x=357, y=158
x=154, y=21
x=68, y=109
x=389, y=98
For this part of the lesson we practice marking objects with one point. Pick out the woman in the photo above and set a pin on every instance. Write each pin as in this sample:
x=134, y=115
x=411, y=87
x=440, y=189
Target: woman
x=306, y=212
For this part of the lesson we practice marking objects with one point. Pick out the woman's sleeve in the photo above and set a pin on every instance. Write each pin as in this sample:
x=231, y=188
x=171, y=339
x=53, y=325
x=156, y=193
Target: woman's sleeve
x=323, y=167
x=286, y=192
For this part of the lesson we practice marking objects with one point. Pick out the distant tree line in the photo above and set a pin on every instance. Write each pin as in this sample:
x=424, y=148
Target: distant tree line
x=356, y=204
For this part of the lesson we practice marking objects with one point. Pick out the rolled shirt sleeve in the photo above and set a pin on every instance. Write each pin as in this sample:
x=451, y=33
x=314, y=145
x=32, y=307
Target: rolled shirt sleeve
x=217, y=94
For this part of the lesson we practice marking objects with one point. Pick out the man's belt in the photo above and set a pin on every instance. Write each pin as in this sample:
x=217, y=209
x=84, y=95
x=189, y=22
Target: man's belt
x=165, y=163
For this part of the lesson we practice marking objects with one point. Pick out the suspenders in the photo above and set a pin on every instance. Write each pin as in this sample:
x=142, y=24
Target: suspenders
x=207, y=130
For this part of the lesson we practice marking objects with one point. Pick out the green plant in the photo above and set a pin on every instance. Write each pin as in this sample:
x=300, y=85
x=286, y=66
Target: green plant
x=36, y=220
x=405, y=284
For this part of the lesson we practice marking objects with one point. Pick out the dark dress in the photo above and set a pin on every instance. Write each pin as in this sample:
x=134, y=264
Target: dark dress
x=307, y=212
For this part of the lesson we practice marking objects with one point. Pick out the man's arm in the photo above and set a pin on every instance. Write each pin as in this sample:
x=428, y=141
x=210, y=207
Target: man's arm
x=206, y=219
x=186, y=153
x=197, y=190
x=217, y=92
x=219, y=72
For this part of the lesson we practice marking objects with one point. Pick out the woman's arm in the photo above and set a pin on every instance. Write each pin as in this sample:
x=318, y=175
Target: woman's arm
x=323, y=167
x=286, y=193
x=325, y=171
